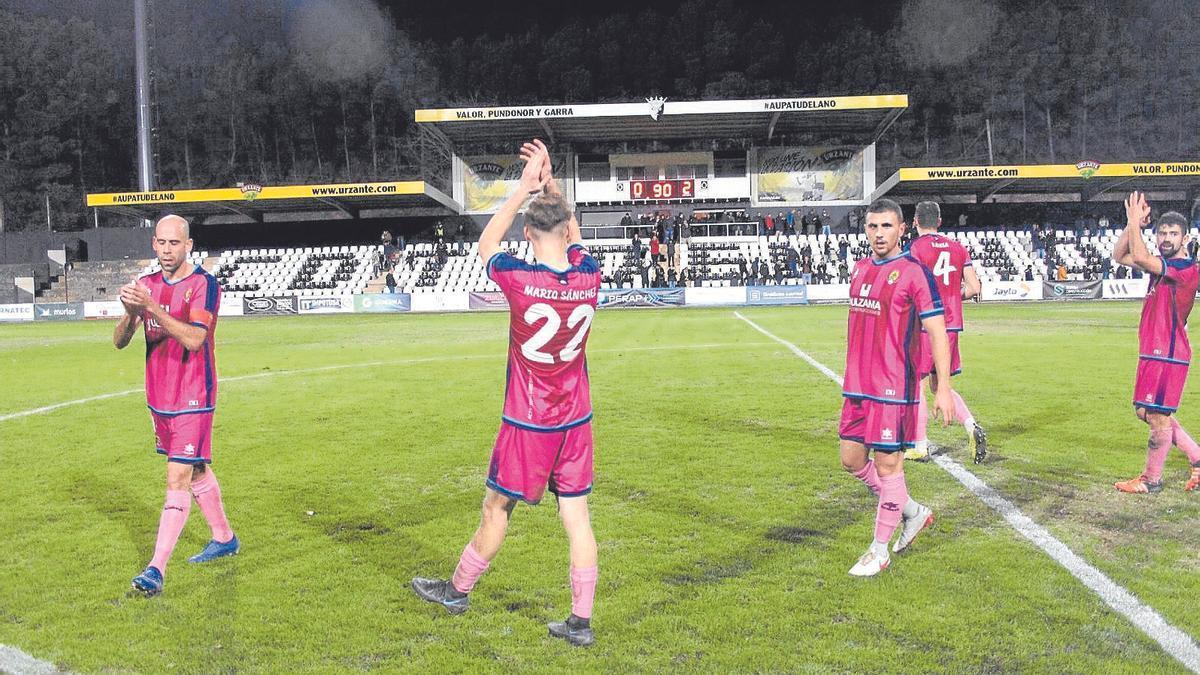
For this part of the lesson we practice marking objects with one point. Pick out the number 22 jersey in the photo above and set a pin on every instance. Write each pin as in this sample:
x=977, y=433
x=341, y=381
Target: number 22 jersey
x=550, y=314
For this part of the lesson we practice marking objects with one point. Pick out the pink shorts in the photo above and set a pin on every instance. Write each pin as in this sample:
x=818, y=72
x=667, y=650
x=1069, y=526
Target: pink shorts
x=185, y=438
x=1159, y=385
x=926, y=362
x=524, y=463
x=885, y=427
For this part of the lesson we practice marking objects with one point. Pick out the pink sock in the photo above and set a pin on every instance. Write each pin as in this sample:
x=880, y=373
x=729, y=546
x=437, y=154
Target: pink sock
x=174, y=516
x=1184, y=442
x=893, y=495
x=471, y=566
x=583, y=590
x=1156, y=453
x=922, y=417
x=208, y=496
x=961, y=413
x=870, y=476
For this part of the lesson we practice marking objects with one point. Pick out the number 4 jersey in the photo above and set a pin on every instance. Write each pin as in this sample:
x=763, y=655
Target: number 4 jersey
x=946, y=259
x=550, y=313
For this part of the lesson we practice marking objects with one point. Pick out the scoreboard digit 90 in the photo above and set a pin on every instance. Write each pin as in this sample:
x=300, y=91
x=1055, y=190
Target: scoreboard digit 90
x=662, y=189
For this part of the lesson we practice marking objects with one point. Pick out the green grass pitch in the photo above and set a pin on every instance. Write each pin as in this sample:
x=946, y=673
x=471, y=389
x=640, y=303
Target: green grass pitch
x=726, y=526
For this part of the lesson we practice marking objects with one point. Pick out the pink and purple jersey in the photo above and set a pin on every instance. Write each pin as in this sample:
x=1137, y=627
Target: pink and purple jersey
x=550, y=312
x=888, y=300
x=947, y=260
x=1162, y=334
x=178, y=381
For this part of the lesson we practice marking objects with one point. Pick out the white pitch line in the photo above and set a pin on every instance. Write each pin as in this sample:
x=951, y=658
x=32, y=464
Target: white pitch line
x=372, y=364
x=19, y=663
x=1174, y=641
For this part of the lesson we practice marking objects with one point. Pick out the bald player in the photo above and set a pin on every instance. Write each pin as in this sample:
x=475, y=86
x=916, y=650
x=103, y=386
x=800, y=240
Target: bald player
x=178, y=309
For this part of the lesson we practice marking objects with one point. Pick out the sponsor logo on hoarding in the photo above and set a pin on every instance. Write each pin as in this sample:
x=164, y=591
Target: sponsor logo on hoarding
x=641, y=297
x=270, y=305
x=383, y=302
x=59, y=311
x=319, y=305
x=16, y=312
x=779, y=295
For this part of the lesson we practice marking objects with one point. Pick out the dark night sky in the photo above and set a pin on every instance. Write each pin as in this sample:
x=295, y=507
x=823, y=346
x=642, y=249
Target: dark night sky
x=468, y=18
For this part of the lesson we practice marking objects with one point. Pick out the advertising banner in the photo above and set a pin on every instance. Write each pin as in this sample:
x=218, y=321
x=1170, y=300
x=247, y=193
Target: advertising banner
x=59, y=311
x=724, y=295
x=489, y=179
x=829, y=293
x=230, y=306
x=777, y=295
x=488, y=300
x=112, y=309
x=1011, y=290
x=1071, y=290
x=641, y=297
x=1126, y=289
x=815, y=174
x=269, y=305
x=383, y=303
x=16, y=312
x=327, y=305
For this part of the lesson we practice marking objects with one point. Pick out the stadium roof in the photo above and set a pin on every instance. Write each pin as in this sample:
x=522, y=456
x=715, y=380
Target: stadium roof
x=757, y=119
x=283, y=202
x=1086, y=181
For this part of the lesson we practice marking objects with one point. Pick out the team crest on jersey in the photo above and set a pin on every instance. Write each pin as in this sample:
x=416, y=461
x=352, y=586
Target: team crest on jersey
x=187, y=296
x=893, y=277
x=1087, y=168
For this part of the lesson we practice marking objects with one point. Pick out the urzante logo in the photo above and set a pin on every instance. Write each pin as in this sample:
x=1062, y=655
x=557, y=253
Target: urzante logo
x=250, y=190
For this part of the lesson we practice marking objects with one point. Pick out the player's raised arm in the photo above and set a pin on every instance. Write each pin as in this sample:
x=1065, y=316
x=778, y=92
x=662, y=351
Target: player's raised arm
x=531, y=182
x=1121, y=250
x=137, y=296
x=1137, y=216
x=943, y=402
x=126, y=327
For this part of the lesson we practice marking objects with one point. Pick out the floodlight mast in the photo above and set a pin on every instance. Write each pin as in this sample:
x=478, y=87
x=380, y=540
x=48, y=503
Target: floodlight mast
x=142, y=59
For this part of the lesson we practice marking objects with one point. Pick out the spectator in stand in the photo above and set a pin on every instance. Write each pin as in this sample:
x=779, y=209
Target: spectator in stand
x=844, y=249
x=791, y=222
x=637, y=245
x=1120, y=273
x=659, y=277
x=806, y=269
x=1029, y=273
x=439, y=232
x=764, y=272
x=741, y=271
x=843, y=273
x=804, y=223
x=823, y=221
x=1105, y=267
x=778, y=272
x=793, y=262
x=684, y=277
x=626, y=222
x=645, y=272
x=390, y=282
x=1192, y=248
x=442, y=255
x=654, y=248
x=671, y=260
x=770, y=225
x=671, y=278
x=660, y=227
x=1102, y=224
x=819, y=225
x=752, y=275
x=1061, y=272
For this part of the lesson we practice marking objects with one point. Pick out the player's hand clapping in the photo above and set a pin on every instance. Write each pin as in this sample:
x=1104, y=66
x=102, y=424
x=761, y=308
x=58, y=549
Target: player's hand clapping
x=536, y=174
x=1137, y=209
x=136, y=298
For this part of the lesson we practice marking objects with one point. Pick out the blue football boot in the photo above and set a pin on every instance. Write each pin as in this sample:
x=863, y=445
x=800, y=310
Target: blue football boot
x=216, y=549
x=149, y=583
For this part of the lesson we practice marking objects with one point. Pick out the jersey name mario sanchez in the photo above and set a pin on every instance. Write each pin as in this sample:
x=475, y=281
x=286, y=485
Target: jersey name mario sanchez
x=559, y=294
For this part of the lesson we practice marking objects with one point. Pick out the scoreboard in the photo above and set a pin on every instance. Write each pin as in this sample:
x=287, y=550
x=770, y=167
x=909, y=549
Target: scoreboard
x=662, y=189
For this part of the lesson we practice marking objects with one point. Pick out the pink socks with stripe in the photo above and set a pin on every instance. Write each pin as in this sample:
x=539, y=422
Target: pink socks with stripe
x=1184, y=442
x=583, y=590
x=1156, y=453
x=471, y=566
x=208, y=496
x=870, y=476
x=174, y=516
x=893, y=497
